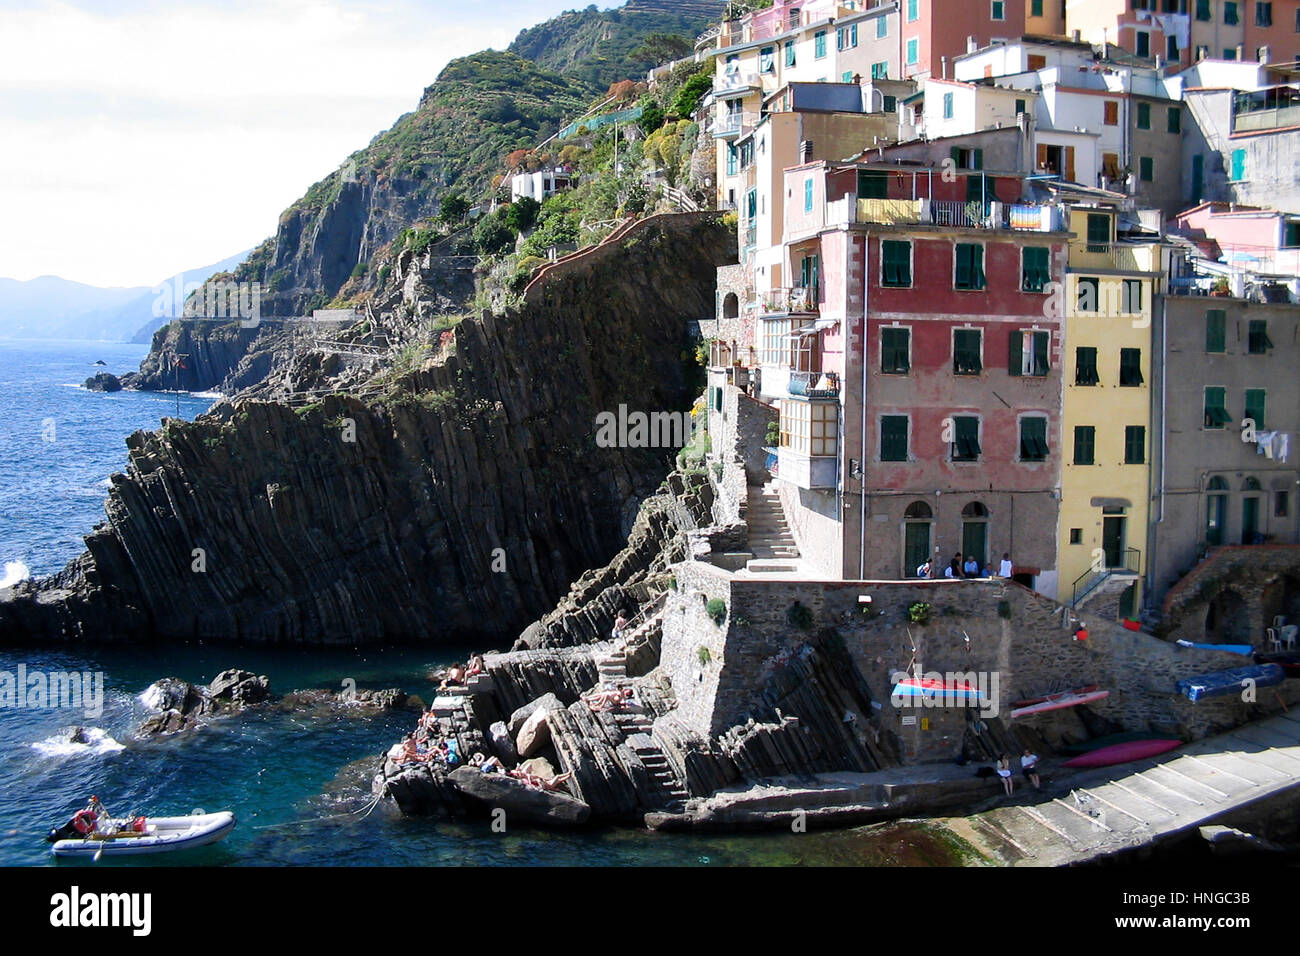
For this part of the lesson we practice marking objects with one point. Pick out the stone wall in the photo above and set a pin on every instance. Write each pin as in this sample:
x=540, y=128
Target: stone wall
x=1019, y=639
x=1234, y=594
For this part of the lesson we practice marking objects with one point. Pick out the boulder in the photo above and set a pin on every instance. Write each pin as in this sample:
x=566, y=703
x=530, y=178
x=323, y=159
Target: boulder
x=547, y=701
x=520, y=802
x=503, y=745
x=103, y=382
x=239, y=687
x=539, y=766
x=534, y=734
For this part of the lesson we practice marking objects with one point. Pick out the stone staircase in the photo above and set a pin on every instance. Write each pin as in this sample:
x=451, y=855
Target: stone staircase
x=770, y=538
x=1101, y=594
x=653, y=759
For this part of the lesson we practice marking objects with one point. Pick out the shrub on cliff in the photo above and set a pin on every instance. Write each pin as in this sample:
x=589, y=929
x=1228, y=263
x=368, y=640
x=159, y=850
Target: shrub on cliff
x=716, y=609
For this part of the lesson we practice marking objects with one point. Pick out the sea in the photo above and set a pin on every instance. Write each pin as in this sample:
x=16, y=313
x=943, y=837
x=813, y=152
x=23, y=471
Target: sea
x=298, y=782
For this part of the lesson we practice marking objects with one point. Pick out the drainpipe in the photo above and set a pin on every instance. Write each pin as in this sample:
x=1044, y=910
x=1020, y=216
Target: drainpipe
x=1164, y=442
x=862, y=450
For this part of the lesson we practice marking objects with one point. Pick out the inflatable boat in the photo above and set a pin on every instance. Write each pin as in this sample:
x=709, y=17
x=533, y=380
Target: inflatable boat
x=88, y=835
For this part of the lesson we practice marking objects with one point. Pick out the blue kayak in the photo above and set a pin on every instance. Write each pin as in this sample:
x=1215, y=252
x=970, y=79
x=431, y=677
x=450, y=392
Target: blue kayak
x=1234, y=681
x=1245, y=650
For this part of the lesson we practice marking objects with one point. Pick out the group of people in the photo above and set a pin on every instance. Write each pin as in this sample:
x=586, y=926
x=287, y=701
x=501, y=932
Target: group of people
x=968, y=566
x=459, y=674
x=520, y=773
x=417, y=747
x=1028, y=767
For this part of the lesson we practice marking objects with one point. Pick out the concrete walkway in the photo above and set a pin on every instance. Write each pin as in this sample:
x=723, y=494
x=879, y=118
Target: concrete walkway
x=1118, y=808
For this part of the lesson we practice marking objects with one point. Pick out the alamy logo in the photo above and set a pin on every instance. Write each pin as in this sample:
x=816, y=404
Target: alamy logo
x=76, y=909
x=41, y=690
x=953, y=689
x=224, y=300
x=636, y=429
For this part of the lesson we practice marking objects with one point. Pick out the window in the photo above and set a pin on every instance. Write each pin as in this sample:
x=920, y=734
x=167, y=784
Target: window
x=1021, y=107
x=1110, y=113
x=1085, y=366
x=819, y=44
x=896, y=263
x=1281, y=504
x=1087, y=294
x=1255, y=406
x=968, y=159
x=846, y=76
x=1216, y=413
x=1263, y=14
x=1036, y=8
x=1202, y=51
x=998, y=10
x=913, y=10
x=1258, y=342
x=810, y=428
x=1146, y=169
x=880, y=71
x=1175, y=120
x=1291, y=234
x=1203, y=10
x=893, y=438
x=913, y=51
x=888, y=103
x=810, y=277
x=1229, y=53
x=1085, y=446
x=1230, y=13
x=789, y=53
x=966, y=349
x=1035, y=268
x=1135, y=444
x=1144, y=116
x=1238, y=165
x=966, y=441
x=1033, y=439
x=1143, y=43
x=872, y=185
x=1130, y=367
x=969, y=272
x=882, y=28
x=1098, y=232
x=1171, y=48
x=733, y=157
x=1297, y=23
x=1215, y=330
x=1076, y=536
x=1216, y=512
x=767, y=60
x=846, y=37
x=747, y=155
x=947, y=106
x=1131, y=296
x=808, y=194
x=895, y=351
x=1036, y=61
x=1110, y=165
x=1027, y=353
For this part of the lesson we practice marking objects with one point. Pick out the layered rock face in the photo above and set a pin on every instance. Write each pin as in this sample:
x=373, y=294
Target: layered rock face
x=460, y=506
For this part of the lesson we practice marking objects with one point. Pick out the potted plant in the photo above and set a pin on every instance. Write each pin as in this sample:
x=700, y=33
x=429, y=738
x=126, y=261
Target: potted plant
x=1220, y=287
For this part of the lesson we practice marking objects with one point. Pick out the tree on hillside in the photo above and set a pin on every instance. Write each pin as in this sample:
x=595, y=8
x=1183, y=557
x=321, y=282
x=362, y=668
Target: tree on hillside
x=453, y=208
x=522, y=213
x=662, y=47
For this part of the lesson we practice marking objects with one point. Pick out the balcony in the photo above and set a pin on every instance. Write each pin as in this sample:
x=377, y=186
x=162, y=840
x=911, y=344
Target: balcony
x=1113, y=256
x=950, y=213
x=1266, y=109
x=797, y=300
x=735, y=81
x=734, y=125
x=814, y=385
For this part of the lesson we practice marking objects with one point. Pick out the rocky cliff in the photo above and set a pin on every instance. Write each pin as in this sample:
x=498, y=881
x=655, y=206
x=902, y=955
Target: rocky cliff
x=459, y=505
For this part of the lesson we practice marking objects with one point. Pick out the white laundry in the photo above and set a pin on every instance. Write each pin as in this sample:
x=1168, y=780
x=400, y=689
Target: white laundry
x=1264, y=443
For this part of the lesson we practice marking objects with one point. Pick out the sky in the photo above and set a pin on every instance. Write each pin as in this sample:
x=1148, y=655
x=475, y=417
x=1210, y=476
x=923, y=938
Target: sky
x=142, y=138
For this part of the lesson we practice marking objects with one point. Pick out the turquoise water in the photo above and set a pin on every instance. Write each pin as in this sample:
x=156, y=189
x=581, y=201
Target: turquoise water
x=294, y=780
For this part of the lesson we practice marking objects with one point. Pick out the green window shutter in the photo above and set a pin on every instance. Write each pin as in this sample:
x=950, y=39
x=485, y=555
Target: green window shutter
x=819, y=44
x=1033, y=439
x=896, y=265
x=807, y=195
x=966, y=352
x=970, y=266
x=1175, y=119
x=1130, y=367
x=893, y=438
x=1144, y=116
x=975, y=191
x=789, y=52
x=893, y=351
x=966, y=445
x=1042, y=358
x=1216, y=414
x=1098, y=232
x=977, y=257
x=1216, y=321
x=1238, y=165
x=1035, y=272
x=1146, y=169
x=1085, y=444
x=1135, y=444
x=962, y=279
x=1085, y=366
x=1015, y=353
x=1258, y=341
x=1255, y=406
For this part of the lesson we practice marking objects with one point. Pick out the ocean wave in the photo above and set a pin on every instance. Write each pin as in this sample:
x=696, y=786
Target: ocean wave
x=97, y=742
x=15, y=571
x=212, y=395
x=152, y=697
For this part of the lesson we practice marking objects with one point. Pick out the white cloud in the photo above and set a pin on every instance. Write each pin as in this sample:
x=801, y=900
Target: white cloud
x=141, y=138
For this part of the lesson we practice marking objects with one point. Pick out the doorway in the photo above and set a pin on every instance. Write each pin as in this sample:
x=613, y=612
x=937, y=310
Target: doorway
x=1112, y=540
x=916, y=537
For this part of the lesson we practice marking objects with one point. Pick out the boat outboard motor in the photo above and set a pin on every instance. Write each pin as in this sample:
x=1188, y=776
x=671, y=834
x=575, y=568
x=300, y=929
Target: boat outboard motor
x=82, y=823
x=66, y=832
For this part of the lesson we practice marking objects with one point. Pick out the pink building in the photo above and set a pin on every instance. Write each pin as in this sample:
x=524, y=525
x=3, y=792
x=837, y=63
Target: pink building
x=1247, y=238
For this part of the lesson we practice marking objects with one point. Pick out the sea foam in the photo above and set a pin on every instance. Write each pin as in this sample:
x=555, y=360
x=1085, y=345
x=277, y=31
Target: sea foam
x=15, y=571
x=98, y=742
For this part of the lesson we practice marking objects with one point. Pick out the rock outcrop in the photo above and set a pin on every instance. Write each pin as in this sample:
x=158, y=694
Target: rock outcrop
x=103, y=382
x=519, y=801
x=459, y=507
x=180, y=705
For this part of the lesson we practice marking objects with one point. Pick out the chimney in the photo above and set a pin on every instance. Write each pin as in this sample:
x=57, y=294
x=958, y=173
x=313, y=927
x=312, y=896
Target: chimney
x=943, y=63
x=972, y=44
x=806, y=151
x=1265, y=54
x=1241, y=51
x=1075, y=36
x=1160, y=62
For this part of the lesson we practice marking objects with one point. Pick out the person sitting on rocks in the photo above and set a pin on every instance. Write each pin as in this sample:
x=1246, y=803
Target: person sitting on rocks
x=1029, y=767
x=538, y=782
x=447, y=752
x=475, y=666
x=1004, y=771
x=411, y=752
x=486, y=764
x=455, y=677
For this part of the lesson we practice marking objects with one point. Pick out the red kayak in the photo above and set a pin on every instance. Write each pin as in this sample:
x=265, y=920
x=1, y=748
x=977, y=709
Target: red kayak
x=1123, y=753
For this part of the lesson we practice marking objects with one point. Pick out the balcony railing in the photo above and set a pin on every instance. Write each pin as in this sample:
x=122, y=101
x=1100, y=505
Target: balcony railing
x=797, y=299
x=814, y=384
x=1021, y=217
x=734, y=124
x=751, y=234
x=1110, y=255
x=735, y=80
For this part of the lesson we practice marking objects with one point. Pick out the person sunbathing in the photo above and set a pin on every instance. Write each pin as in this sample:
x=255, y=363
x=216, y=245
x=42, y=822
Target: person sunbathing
x=538, y=782
x=486, y=764
x=455, y=677
x=609, y=699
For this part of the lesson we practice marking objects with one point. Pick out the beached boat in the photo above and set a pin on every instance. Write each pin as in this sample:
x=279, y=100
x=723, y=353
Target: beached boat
x=1060, y=701
x=1232, y=681
x=929, y=687
x=1123, y=753
x=1097, y=743
x=1030, y=701
x=1289, y=661
x=141, y=835
x=1243, y=649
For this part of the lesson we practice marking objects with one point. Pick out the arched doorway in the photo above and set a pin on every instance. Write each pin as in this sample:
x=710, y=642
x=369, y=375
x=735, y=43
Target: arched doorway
x=1216, y=512
x=975, y=533
x=1226, y=619
x=1250, y=499
x=917, y=522
x=730, y=306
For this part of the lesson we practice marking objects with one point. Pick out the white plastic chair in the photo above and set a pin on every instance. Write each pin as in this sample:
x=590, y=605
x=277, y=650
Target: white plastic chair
x=1274, y=641
x=1279, y=620
x=1288, y=635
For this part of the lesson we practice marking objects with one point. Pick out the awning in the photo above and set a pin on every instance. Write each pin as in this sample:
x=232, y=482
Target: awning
x=1111, y=503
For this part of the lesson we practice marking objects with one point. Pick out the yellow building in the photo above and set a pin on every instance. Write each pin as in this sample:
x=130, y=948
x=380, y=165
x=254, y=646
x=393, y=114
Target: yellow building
x=1106, y=415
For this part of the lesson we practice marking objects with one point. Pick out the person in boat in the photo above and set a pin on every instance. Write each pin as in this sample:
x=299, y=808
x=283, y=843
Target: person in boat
x=455, y=677
x=1004, y=771
x=1029, y=767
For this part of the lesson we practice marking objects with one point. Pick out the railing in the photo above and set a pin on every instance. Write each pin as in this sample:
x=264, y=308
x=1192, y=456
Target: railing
x=797, y=299
x=1115, y=255
x=807, y=384
x=734, y=124
x=1132, y=562
x=1024, y=217
x=751, y=233
x=952, y=212
x=735, y=80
